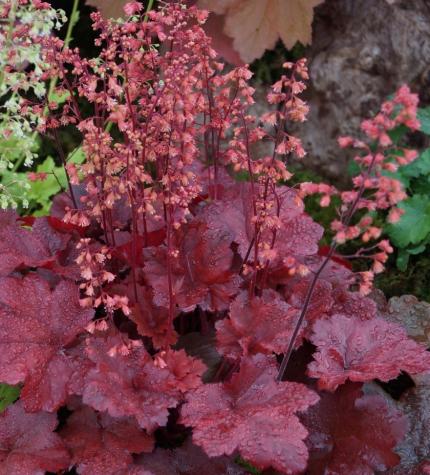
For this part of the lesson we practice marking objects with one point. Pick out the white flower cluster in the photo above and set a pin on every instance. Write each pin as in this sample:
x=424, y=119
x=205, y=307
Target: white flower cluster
x=20, y=53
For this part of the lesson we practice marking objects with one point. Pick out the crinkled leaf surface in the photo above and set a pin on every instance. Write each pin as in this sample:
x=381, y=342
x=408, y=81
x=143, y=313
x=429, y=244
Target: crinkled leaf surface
x=352, y=304
x=20, y=246
x=320, y=303
x=362, y=351
x=202, y=274
x=49, y=386
x=40, y=246
x=353, y=433
x=233, y=216
x=36, y=326
x=102, y=445
x=254, y=414
x=297, y=237
x=187, y=371
x=258, y=325
x=132, y=384
x=28, y=445
x=151, y=320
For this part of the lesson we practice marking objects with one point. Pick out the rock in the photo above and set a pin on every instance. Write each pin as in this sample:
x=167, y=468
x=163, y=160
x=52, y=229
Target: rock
x=362, y=51
x=414, y=450
x=412, y=314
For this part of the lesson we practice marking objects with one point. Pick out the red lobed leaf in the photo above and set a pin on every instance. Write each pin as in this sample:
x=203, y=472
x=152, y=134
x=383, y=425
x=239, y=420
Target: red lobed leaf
x=320, y=303
x=353, y=433
x=134, y=384
x=233, y=215
x=254, y=414
x=202, y=273
x=20, y=246
x=328, y=299
x=151, y=320
x=131, y=251
x=358, y=350
x=28, y=445
x=40, y=246
x=258, y=325
x=186, y=370
x=352, y=304
x=49, y=386
x=62, y=227
x=102, y=445
x=37, y=324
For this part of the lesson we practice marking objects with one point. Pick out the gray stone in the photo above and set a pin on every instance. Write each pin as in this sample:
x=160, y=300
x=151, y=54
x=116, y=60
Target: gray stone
x=362, y=51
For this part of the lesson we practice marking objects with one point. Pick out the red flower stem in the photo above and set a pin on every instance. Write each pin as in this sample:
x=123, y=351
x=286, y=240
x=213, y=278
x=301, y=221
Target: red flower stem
x=254, y=205
x=299, y=323
x=169, y=265
x=214, y=155
x=332, y=250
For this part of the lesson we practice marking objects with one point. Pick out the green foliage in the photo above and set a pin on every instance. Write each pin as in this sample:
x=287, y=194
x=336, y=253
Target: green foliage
x=424, y=118
x=40, y=192
x=415, y=279
x=18, y=143
x=247, y=466
x=8, y=395
x=414, y=225
x=411, y=234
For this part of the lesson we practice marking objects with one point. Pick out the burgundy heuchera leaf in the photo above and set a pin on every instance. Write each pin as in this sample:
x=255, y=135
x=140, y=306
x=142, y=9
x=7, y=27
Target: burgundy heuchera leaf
x=259, y=325
x=253, y=414
x=362, y=351
x=101, y=445
x=202, y=274
x=298, y=235
x=28, y=445
x=36, y=325
x=23, y=247
x=151, y=320
x=352, y=433
x=131, y=383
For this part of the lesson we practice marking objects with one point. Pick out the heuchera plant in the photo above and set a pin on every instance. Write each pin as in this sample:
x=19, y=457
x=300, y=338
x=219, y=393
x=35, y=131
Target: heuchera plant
x=178, y=288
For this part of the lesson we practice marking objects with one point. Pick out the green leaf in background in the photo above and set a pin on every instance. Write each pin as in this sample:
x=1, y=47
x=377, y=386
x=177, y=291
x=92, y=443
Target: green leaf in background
x=414, y=225
x=420, y=166
x=424, y=118
x=402, y=260
x=8, y=395
x=403, y=255
x=417, y=249
x=353, y=168
x=59, y=98
x=246, y=465
x=41, y=192
x=398, y=133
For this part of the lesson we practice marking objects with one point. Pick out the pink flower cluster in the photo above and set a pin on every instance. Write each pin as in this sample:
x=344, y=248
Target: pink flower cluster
x=372, y=188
